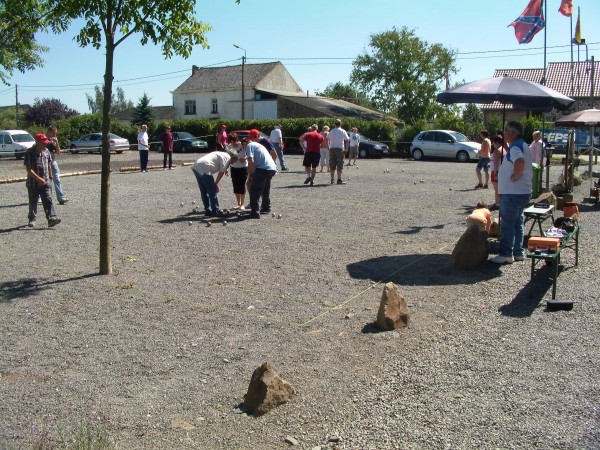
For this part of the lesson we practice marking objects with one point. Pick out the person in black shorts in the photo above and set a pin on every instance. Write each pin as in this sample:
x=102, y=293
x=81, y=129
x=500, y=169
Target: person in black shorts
x=312, y=155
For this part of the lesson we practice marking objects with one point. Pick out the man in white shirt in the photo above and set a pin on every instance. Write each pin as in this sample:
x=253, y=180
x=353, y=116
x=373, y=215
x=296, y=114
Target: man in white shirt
x=143, y=148
x=277, y=141
x=214, y=162
x=338, y=140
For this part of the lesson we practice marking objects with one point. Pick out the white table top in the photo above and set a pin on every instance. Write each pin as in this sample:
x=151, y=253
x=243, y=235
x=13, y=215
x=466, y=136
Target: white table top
x=532, y=210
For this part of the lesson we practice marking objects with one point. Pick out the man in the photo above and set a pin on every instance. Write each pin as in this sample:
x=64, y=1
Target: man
x=38, y=163
x=54, y=148
x=514, y=187
x=261, y=169
x=338, y=146
x=484, y=160
x=215, y=162
x=277, y=141
x=353, y=145
x=312, y=155
x=537, y=148
x=143, y=148
x=167, y=148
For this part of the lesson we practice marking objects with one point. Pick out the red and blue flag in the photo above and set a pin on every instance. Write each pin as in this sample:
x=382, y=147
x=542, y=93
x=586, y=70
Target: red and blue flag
x=530, y=22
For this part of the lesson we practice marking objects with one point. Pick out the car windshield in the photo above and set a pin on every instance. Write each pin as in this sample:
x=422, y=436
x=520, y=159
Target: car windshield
x=184, y=135
x=113, y=136
x=459, y=136
x=24, y=137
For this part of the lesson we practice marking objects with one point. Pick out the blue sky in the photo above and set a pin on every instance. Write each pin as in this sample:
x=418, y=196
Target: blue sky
x=294, y=32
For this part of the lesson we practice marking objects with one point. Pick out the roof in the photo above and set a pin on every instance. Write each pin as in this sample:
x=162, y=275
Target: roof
x=558, y=77
x=226, y=77
x=160, y=113
x=329, y=107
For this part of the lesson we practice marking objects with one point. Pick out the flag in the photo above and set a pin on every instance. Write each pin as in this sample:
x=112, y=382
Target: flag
x=578, y=27
x=566, y=8
x=447, y=81
x=530, y=22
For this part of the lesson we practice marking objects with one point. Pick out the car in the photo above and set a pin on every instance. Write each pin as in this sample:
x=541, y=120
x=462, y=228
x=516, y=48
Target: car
x=15, y=143
x=372, y=149
x=244, y=134
x=444, y=144
x=182, y=142
x=92, y=143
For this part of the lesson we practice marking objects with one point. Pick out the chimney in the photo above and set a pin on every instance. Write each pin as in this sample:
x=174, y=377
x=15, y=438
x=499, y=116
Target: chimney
x=195, y=70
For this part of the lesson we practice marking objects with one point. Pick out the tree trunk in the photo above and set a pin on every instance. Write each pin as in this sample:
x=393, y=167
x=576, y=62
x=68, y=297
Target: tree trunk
x=105, y=253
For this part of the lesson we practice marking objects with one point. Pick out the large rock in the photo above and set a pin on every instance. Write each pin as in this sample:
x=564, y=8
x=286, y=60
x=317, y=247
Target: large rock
x=266, y=391
x=393, y=311
x=471, y=250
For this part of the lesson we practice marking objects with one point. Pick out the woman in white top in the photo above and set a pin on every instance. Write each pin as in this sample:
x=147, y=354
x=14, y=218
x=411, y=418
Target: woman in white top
x=325, y=149
x=239, y=170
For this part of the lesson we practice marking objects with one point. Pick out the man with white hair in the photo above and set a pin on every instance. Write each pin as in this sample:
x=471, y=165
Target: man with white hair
x=261, y=169
x=277, y=141
x=338, y=146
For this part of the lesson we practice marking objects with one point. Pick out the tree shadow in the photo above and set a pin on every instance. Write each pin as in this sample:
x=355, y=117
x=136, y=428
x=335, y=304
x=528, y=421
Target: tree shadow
x=18, y=205
x=418, y=229
x=24, y=287
x=10, y=230
x=420, y=270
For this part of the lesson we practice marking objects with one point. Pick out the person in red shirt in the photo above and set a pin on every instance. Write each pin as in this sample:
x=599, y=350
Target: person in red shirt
x=167, y=148
x=222, y=138
x=312, y=155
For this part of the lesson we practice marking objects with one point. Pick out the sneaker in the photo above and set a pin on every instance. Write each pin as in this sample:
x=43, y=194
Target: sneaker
x=332, y=182
x=31, y=224
x=499, y=259
x=485, y=186
x=478, y=186
x=53, y=221
x=241, y=208
x=519, y=257
x=340, y=182
x=254, y=215
x=285, y=169
x=63, y=201
x=308, y=180
x=311, y=182
x=264, y=211
x=494, y=207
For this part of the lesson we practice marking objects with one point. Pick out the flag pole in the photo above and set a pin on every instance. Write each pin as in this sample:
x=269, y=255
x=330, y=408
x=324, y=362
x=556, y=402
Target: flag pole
x=545, y=5
x=572, y=75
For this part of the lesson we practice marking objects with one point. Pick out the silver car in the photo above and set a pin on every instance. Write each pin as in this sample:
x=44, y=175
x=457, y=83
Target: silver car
x=444, y=144
x=92, y=143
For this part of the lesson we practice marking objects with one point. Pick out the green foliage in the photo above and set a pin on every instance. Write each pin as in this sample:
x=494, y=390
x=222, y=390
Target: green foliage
x=47, y=111
x=118, y=103
x=401, y=73
x=473, y=114
x=494, y=124
x=346, y=92
x=411, y=130
x=530, y=124
x=143, y=113
x=8, y=118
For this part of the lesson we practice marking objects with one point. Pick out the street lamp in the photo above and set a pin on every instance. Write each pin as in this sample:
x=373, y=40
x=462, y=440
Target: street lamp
x=243, y=89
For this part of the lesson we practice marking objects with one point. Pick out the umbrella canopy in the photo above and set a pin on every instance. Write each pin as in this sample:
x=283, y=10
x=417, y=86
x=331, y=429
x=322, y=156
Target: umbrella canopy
x=523, y=95
x=589, y=117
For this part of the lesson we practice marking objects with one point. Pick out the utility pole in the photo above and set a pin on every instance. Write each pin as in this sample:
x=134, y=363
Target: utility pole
x=17, y=106
x=243, y=86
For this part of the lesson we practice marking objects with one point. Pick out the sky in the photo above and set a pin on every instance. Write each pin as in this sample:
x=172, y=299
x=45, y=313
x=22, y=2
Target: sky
x=316, y=42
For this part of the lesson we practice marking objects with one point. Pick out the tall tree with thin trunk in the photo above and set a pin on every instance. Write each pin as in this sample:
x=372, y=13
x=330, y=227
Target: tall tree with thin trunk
x=172, y=24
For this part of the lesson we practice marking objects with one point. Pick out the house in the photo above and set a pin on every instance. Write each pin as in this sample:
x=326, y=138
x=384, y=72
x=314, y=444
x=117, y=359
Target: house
x=575, y=84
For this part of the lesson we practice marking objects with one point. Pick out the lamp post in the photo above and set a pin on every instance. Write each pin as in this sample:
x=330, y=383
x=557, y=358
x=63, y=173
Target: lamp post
x=243, y=88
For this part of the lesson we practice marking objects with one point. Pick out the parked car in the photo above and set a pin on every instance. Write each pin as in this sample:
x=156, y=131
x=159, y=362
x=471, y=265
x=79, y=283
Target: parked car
x=182, y=142
x=443, y=144
x=92, y=143
x=15, y=143
x=372, y=149
x=244, y=133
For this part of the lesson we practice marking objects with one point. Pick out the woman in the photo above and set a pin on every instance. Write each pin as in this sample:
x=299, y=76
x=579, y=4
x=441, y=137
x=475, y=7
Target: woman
x=239, y=169
x=497, y=154
x=325, y=148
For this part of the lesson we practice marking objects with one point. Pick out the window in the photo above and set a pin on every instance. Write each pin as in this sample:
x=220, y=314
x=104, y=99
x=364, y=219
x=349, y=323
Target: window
x=215, y=106
x=190, y=107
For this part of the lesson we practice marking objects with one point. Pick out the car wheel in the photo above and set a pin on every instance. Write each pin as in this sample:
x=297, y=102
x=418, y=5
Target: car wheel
x=20, y=156
x=363, y=153
x=74, y=150
x=186, y=149
x=417, y=154
x=118, y=152
x=462, y=156
x=159, y=148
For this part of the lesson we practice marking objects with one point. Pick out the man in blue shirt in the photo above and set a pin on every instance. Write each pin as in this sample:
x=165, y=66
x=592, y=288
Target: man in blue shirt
x=261, y=169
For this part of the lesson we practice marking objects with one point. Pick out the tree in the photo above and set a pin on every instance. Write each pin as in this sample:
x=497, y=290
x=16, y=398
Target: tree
x=473, y=120
x=346, y=92
x=47, y=111
x=401, y=73
x=107, y=24
x=143, y=112
x=117, y=104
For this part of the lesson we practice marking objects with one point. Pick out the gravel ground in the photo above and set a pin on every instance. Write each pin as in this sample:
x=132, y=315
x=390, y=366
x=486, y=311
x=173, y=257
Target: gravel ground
x=160, y=354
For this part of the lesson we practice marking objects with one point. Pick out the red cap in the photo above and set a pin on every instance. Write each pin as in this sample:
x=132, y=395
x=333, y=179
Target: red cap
x=253, y=134
x=223, y=126
x=41, y=137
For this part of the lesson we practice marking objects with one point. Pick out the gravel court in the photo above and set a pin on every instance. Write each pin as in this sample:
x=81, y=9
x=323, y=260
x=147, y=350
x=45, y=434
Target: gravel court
x=136, y=346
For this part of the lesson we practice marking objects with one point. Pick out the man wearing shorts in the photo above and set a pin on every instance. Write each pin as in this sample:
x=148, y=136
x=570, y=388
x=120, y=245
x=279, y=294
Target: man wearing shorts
x=312, y=155
x=338, y=140
x=484, y=160
x=353, y=146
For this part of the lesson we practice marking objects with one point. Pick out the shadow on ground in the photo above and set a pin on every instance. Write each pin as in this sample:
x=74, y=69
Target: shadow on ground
x=420, y=270
x=13, y=290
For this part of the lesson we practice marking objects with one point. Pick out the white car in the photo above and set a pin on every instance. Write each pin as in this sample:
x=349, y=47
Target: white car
x=92, y=143
x=444, y=144
x=15, y=143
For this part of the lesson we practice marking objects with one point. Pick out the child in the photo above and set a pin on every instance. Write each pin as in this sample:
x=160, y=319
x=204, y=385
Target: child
x=480, y=217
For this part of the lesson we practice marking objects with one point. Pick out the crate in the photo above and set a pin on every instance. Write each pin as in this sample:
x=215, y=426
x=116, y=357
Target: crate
x=543, y=244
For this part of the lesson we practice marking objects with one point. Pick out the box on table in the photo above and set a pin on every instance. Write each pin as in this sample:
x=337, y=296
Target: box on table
x=545, y=244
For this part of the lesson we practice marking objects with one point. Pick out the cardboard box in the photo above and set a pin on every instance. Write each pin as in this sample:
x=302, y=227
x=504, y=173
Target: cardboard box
x=543, y=244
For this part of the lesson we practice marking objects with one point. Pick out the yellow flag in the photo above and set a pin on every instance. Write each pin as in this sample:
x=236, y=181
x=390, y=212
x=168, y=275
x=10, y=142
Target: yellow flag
x=578, y=27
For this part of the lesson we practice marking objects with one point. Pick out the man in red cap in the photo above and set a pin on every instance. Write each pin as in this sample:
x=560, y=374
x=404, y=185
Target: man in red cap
x=261, y=169
x=38, y=163
x=222, y=138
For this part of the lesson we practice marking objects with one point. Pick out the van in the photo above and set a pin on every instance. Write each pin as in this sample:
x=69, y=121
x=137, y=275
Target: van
x=15, y=143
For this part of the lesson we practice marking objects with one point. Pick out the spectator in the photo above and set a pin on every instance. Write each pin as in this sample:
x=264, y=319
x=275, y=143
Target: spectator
x=277, y=141
x=496, y=156
x=537, y=148
x=239, y=169
x=167, y=148
x=38, y=163
x=353, y=146
x=222, y=137
x=514, y=187
x=338, y=145
x=261, y=169
x=312, y=156
x=325, y=149
x=143, y=148
x=484, y=160
x=54, y=148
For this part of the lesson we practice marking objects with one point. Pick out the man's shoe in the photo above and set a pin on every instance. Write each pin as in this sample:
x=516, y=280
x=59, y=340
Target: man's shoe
x=254, y=215
x=53, y=221
x=312, y=182
x=285, y=169
x=478, y=186
x=485, y=186
x=307, y=180
x=519, y=257
x=63, y=201
x=332, y=182
x=341, y=182
x=31, y=224
x=265, y=211
x=499, y=259
x=494, y=207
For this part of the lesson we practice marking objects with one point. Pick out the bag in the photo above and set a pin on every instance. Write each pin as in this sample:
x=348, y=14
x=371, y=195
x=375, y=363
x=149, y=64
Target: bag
x=565, y=223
